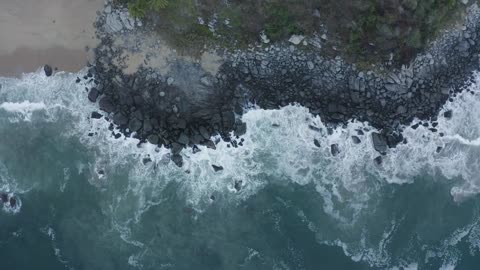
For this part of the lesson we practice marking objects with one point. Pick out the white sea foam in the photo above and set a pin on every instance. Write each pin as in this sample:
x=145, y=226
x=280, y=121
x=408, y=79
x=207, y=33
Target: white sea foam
x=22, y=110
x=278, y=148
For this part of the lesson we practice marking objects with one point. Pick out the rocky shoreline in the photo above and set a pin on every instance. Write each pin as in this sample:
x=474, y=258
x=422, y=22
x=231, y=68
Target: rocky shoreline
x=186, y=105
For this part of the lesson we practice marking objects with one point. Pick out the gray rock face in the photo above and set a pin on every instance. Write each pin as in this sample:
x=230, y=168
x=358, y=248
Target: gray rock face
x=113, y=23
x=118, y=20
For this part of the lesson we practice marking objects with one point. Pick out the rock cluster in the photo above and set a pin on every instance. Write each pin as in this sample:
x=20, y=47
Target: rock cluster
x=8, y=200
x=188, y=110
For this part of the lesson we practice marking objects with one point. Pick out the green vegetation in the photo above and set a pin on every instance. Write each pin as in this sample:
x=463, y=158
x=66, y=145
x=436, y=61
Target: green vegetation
x=139, y=8
x=280, y=23
x=362, y=30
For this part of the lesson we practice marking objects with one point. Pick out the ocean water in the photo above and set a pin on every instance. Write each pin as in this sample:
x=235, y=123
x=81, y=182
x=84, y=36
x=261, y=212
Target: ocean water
x=92, y=202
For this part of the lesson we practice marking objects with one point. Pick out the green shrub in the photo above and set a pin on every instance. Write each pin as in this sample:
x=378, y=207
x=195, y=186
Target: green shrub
x=280, y=23
x=138, y=8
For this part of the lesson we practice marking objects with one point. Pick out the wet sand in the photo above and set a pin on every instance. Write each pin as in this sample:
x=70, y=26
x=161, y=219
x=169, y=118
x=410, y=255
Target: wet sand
x=38, y=32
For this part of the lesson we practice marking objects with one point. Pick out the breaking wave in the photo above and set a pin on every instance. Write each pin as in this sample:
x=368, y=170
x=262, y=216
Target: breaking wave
x=281, y=147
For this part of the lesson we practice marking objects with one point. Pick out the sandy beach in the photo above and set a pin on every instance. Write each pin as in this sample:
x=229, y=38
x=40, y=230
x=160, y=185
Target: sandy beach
x=38, y=32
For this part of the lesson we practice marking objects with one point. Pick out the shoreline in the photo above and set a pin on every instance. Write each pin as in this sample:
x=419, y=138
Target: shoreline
x=182, y=104
x=25, y=60
x=54, y=32
x=150, y=90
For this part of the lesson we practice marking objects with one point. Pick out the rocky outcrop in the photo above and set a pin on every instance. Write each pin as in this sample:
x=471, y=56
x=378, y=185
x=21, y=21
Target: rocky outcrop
x=188, y=105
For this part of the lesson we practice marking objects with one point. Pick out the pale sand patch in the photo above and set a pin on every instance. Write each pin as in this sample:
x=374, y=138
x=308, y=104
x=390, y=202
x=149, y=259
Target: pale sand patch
x=211, y=62
x=153, y=52
x=38, y=32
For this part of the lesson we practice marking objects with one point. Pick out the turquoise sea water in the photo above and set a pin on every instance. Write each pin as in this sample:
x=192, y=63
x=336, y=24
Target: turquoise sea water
x=90, y=202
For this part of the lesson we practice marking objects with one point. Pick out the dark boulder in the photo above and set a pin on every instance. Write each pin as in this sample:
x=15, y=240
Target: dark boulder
x=195, y=149
x=240, y=129
x=93, y=94
x=106, y=105
x=204, y=132
x=228, y=119
x=356, y=140
x=378, y=160
x=393, y=139
x=153, y=139
x=13, y=202
x=134, y=124
x=183, y=139
x=48, y=70
x=147, y=160
x=178, y=160
x=217, y=168
x=316, y=143
x=379, y=143
x=4, y=197
x=448, y=114
x=238, y=185
x=120, y=119
x=147, y=126
x=181, y=124
x=334, y=149
x=210, y=144
x=176, y=148
x=96, y=115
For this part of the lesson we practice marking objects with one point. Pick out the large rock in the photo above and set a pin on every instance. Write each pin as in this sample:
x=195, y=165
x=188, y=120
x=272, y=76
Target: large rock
x=183, y=139
x=178, y=160
x=379, y=143
x=48, y=70
x=120, y=119
x=134, y=124
x=96, y=115
x=334, y=149
x=93, y=94
x=217, y=168
x=153, y=139
x=296, y=39
x=106, y=105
